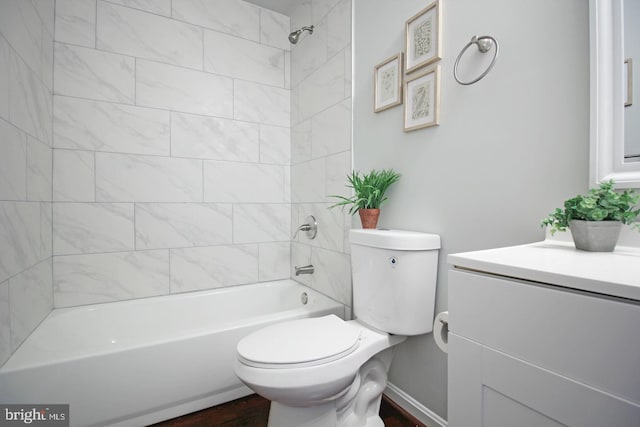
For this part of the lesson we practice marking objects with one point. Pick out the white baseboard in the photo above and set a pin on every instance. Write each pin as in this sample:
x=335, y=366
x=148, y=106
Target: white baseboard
x=415, y=408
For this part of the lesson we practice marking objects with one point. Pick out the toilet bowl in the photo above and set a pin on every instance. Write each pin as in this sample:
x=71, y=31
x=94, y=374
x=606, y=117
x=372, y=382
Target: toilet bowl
x=327, y=372
x=311, y=361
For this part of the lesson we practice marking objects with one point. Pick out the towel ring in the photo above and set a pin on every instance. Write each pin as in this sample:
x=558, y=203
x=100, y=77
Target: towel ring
x=484, y=44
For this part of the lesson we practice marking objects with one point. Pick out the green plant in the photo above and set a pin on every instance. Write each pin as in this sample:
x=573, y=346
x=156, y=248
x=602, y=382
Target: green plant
x=369, y=189
x=601, y=204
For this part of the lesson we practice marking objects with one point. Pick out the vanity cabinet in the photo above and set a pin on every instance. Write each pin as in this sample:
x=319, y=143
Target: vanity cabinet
x=527, y=351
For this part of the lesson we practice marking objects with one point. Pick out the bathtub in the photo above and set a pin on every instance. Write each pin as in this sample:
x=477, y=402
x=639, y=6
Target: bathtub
x=137, y=362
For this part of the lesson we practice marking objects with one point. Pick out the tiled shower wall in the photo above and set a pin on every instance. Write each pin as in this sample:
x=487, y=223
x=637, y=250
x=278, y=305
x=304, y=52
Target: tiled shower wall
x=171, y=141
x=321, y=142
x=26, y=65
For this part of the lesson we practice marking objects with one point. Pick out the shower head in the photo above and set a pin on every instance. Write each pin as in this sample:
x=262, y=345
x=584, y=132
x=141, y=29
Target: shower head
x=294, y=37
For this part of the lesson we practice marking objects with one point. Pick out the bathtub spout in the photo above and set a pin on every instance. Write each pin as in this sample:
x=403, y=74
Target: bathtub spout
x=306, y=269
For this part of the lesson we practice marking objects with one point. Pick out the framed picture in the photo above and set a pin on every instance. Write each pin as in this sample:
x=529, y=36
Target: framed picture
x=628, y=79
x=422, y=100
x=422, y=31
x=387, y=78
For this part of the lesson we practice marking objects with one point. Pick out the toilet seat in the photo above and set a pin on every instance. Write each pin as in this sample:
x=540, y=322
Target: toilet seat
x=299, y=343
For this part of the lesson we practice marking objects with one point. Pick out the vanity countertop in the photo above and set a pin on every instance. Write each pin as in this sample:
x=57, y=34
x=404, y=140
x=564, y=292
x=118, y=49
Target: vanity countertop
x=559, y=263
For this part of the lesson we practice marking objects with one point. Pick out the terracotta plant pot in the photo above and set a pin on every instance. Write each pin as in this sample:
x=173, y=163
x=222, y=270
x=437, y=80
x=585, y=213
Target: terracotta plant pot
x=595, y=236
x=369, y=217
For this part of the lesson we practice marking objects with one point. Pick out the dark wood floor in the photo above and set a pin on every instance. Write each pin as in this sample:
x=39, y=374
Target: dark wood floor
x=253, y=411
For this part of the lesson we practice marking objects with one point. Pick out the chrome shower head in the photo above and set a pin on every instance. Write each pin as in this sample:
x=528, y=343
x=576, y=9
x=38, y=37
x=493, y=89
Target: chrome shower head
x=294, y=37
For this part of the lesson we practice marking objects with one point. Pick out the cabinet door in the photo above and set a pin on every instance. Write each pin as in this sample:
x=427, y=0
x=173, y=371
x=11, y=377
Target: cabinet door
x=591, y=339
x=488, y=388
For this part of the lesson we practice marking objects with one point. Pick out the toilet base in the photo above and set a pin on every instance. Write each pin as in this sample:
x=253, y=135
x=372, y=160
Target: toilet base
x=359, y=406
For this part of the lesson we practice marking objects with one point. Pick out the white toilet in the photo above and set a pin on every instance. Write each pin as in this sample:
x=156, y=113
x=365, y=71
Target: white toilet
x=329, y=372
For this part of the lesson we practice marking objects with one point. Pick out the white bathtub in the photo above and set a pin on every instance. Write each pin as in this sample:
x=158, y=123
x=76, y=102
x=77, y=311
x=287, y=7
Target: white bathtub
x=132, y=363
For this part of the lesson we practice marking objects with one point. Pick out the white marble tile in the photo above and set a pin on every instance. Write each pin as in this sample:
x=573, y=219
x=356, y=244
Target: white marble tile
x=82, y=228
x=261, y=222
x=338, y=167
x=348, y=72
x=46, y=10
x=243, y=182
x=274, y=261
x=96, y=278
x=243, y=59
x=46, y=230
x=161, y=7
x=5, y=70
x=275, y=145
x=331, y=130
x=175, y=225
x=339, y=27
x=301, y=142
x=332, y=275
x=213, y=267
x=30, y=104
x=5, y=323
x=233, y=17
x=310, y=53
x=323, y=88
x=259, y=103
x=287, y=185
x=320, y=8
x=308, y=181
x=31, y=296
x=274, y=29
x=180, y=89
x=295, y=106
x=93, y=74
x=76, y=22
x=19, y=237
x=47, y=60
x=145, y=35
x=301, y=256
x=13, y=163
x=330, y=226
x=73, y=176
x=39, y=171
x=287, y=70
x=206, y=137
x=20, y=24
x=105, y=126
x=129, y=178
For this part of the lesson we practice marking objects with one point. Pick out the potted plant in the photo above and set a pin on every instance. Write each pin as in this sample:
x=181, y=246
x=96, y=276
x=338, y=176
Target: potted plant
x=369, y=193
x=595, y=219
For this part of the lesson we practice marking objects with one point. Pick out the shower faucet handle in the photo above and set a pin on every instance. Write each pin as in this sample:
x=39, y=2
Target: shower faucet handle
x=310, y=227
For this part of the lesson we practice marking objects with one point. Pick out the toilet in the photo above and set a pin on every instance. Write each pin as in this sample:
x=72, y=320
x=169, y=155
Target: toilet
x=326, y=372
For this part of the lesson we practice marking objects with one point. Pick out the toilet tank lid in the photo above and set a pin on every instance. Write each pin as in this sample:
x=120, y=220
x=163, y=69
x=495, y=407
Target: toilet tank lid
x=395, y=239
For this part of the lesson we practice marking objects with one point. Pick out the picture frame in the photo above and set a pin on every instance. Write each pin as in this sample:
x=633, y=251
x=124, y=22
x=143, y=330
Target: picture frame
x=422, y=100
x=423, y=39
x=628, y=80
x=387, y=91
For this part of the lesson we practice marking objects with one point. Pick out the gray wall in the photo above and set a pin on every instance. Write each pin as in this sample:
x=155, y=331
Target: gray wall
x=508, y=150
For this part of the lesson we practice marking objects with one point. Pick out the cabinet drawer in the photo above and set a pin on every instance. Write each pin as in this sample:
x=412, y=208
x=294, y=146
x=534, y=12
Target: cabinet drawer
x=583, y=337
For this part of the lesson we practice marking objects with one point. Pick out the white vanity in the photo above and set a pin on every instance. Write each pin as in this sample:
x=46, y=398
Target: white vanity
x=544, y=335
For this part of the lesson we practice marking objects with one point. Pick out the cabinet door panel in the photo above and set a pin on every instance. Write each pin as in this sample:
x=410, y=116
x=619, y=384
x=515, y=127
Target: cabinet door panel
x=587, y=338
x=538, y=391
x=500, y=410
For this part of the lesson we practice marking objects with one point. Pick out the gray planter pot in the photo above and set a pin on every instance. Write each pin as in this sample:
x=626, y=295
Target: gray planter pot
x=595, y=236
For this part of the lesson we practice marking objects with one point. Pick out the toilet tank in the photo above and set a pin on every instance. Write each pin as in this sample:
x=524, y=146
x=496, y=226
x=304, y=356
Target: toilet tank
x=394, y=279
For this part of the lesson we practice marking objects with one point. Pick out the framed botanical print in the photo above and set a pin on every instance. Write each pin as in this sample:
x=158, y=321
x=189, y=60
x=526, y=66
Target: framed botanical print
x=422, y=42
x=422, y=100
x=388, y=83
